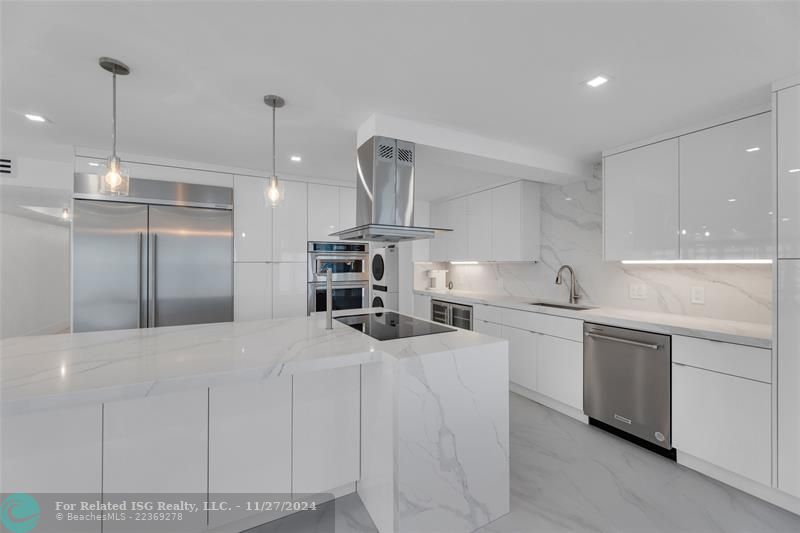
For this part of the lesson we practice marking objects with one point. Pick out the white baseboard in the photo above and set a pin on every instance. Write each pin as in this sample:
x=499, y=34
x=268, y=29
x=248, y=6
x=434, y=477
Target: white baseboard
x=768, y=494
x=547, y=401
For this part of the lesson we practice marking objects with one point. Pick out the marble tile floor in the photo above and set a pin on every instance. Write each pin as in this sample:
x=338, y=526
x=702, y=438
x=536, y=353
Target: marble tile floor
x=568, y=476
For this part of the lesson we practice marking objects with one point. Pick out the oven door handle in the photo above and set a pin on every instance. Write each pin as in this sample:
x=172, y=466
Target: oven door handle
x=624, y=341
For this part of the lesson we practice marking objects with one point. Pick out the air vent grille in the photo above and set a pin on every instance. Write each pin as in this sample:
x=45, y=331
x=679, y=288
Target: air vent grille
x=405, y=155
x=6, y=167
x=386, y=151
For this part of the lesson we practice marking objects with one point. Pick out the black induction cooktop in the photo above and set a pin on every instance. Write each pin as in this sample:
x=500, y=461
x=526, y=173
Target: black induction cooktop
x=390, y=325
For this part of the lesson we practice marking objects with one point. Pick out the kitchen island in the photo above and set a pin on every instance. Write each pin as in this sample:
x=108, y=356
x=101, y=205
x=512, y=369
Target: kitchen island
x=418, y=426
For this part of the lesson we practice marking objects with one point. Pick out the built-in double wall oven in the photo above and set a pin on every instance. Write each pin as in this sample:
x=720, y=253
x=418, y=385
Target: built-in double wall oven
x=349, y=264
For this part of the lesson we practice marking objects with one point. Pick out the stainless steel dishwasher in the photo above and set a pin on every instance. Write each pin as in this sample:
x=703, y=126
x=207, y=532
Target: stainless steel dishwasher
x=627, y=382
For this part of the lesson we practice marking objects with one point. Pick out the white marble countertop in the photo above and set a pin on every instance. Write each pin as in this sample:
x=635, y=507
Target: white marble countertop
x=747, y=333
x=40, y=372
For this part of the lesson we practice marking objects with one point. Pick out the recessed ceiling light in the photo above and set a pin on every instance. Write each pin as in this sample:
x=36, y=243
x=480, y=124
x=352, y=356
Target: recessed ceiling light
x=793, y=170
x=35, y=118
x=94, y=164
x=597, y=81
x=731, y=199
x=296, y=158
x=753, y=149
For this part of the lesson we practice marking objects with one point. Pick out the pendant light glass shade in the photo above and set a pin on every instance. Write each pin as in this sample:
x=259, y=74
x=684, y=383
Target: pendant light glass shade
x=115, y=180
x=274, y=191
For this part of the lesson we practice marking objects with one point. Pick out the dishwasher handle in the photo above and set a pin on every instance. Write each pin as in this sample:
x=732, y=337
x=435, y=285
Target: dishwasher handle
x=624, y=341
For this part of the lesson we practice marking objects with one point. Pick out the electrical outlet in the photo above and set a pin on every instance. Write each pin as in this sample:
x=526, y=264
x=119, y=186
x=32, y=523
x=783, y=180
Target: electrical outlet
x=698, y=295
x=637, y=291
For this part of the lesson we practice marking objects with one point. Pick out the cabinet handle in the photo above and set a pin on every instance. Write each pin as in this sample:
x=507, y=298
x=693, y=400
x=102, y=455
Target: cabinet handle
x=624, y=341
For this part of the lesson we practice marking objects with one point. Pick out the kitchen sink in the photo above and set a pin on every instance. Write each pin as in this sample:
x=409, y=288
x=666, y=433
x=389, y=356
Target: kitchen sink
x=563, y=306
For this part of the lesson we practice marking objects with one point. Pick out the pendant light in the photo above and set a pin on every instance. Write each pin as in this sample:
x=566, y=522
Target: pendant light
x=273, y=192
x=115, y=180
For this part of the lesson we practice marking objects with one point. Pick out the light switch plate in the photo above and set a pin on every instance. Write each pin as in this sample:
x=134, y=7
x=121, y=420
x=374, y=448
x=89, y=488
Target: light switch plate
x=637, y=291
x=698, y=295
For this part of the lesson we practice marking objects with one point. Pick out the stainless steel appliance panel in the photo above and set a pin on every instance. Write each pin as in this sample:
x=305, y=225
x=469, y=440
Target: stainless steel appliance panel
x=87, y=186
x=627, y=381
x=440, y=312
x=461, y=316
x=191, y=265
x=346, y=295
x=108, y=265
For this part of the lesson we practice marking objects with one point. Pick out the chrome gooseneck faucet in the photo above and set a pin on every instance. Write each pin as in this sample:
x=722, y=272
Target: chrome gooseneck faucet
x=573, y=286
x=329, y=299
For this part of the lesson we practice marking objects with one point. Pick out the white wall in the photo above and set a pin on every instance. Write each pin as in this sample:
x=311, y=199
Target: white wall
x=572, y=234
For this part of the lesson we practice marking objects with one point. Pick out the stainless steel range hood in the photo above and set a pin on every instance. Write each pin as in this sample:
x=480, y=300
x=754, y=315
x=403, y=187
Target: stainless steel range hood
x=385, y=194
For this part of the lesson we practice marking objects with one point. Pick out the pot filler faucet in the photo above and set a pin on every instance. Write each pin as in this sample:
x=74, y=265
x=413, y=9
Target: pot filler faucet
x=573, y=286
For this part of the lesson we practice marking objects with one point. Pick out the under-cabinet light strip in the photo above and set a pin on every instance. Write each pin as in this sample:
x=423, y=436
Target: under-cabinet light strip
x=698, y=262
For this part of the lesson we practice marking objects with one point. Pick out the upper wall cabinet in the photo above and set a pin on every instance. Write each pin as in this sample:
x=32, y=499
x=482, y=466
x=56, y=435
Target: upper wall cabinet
x=788, y=119
x=500, y=224
x=323, y=212
x=290, y=223
x=726, y=191
x=347, y=208
x=252, y=220
x=640, y=189
x=703, y=195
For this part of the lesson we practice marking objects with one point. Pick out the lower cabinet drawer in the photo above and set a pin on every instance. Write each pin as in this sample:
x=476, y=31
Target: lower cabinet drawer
x=488, y=313
x=734, y=359
x=724, y=420
x=556, y=326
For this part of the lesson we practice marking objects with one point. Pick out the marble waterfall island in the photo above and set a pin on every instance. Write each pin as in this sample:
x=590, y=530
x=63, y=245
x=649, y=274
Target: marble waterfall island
x=418, y=426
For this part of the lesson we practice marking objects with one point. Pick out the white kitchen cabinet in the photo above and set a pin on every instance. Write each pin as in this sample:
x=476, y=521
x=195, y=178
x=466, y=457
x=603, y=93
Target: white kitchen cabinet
x=559, y=371
x=723, y=420
x=323, y=212
x=289, y=290
x=326, y=418
x=488, y=328
x=788, y=135
x=440, y=218
x=789, y=376
x=726, y=191
x=458, y=239
x=252, y=220
x=422, y=306
x=479, y=226
x=347, y=208
x=157, y=444
x=290, y=223
x=250, y=441
x=516, y=222
x=523, y=347
x=53, y=451
x=252, y=284
x=640, y=203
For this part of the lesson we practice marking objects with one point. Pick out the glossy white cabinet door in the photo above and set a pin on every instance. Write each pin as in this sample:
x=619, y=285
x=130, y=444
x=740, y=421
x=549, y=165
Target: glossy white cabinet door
x=458, y=239
x=488, y=328
x=726, y=191
x=53, y=451
x=289, y=290
x=788, y=120
x=326, y=429
x=156, y=444
x=323, y=212
x=252, y=284
x=252, y=220
x=290, y=223
x=347, y=208
x=724, y=420
x=422, y=306
x=250, y=441
x=559, y=373
x=479, y=226
x=640, y=197
x=523, y=347
x=516, y=221
x=440, y=218
x=789, y=376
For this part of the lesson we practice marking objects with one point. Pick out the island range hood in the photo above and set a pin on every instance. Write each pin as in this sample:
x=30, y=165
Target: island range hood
x=385, y=194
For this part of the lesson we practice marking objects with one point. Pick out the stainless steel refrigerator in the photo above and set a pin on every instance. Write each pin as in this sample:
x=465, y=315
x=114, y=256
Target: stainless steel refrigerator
x=161, y=256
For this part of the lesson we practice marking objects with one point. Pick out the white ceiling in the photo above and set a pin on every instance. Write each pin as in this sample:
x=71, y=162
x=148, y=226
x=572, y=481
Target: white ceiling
x=511, y=72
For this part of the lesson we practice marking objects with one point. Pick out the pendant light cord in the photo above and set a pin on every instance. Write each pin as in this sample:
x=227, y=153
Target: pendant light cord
x=114, y=113
x=274, y=173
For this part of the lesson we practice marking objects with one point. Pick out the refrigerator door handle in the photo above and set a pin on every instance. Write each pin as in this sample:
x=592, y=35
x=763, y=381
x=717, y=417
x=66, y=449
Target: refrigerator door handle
x=139, y=279
x=152, y=278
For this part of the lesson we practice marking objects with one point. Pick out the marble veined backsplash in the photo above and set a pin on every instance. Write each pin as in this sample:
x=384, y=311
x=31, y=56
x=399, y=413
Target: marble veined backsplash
x=572, y=234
